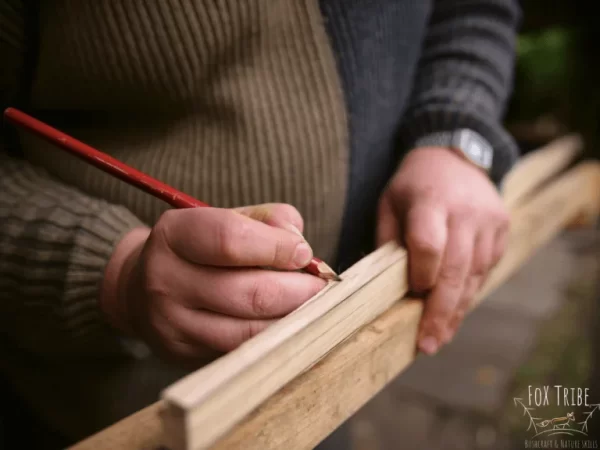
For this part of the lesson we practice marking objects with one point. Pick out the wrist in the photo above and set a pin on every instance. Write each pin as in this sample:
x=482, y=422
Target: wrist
x=466, y=143
x=119, y=270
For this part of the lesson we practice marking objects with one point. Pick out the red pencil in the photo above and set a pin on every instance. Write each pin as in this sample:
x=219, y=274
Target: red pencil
x=128, y=174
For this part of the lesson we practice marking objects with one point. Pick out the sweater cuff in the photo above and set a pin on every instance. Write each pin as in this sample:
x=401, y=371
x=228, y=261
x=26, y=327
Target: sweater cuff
x=95, y=242
x=55, y=244
x=426, y=127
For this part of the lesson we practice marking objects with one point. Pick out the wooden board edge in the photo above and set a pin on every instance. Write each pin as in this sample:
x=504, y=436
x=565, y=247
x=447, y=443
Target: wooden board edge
x=143, y=430
x=535, y=168
x=318, y=401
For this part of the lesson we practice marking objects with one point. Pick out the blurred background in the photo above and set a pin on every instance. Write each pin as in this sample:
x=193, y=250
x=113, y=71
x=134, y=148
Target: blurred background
x=543, y=326
x=557, y=73
x=540, y=328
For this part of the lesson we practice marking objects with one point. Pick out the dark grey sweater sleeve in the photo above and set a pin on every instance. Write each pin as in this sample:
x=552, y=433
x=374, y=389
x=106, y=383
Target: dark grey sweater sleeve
x=465, y=76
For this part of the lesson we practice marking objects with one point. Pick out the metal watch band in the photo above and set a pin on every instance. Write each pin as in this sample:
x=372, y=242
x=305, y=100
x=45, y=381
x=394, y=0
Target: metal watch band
x=469, y=143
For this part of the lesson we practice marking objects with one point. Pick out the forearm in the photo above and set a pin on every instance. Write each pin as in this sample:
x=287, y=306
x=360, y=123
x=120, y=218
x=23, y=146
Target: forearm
x=465, y=76
x=54, y=245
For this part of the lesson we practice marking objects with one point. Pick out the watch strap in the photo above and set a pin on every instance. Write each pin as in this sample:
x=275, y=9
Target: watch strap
x=470, y=144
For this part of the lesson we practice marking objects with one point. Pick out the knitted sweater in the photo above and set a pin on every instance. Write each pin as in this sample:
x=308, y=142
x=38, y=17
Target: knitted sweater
x=235, y=102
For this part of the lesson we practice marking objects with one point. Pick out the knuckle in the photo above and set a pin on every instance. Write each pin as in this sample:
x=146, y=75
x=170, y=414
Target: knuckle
x=157, y=288
x=425, y=245
x=458, y=318
x=161, y=230
x=461, y=311
x=451, y=275
x=437, y=324
x=264, y=297
x=287, y=212
x=156, y=281
x=468, y=213
x=480, y=267
x=278, y=251
x=281, y=253
x=229, y=235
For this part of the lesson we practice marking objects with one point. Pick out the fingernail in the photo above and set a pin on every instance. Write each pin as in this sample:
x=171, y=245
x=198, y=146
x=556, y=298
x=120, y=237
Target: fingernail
x=302, y=255
x=428, y=345
x=293, y=229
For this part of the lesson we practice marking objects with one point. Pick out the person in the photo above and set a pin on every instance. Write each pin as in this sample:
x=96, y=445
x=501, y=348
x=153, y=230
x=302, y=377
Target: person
x=320, y=128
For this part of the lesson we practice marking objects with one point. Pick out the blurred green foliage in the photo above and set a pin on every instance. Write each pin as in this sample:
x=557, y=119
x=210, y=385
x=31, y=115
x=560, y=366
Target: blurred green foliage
x=557, y=74
x=542, y=74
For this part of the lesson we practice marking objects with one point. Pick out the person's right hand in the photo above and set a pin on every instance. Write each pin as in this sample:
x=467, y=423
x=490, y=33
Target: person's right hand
x=191, y=286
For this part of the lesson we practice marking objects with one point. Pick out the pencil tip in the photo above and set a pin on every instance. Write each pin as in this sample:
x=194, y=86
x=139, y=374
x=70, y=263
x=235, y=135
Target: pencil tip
x=327, y=273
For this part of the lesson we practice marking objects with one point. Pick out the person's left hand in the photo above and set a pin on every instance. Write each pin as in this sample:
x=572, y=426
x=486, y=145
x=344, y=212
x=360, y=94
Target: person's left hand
x=454, y=225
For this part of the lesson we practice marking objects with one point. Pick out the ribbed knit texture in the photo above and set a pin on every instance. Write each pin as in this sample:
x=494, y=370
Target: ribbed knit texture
x=377, y=55
x=410, y=69
x=232, y=102
x=465, y=75
x=181, y=86
x=235, y=102
x=11, y=44
x=54, y=244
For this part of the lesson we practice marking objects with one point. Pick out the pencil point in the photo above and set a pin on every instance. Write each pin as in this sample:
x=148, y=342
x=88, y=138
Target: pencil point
x=327, y=273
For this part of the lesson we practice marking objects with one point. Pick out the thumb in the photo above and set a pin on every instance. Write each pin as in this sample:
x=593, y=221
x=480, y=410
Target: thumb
x=388, y=227
x=279, y=215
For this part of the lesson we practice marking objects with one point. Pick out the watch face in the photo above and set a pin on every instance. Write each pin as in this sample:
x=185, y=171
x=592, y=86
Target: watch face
x=474, y=147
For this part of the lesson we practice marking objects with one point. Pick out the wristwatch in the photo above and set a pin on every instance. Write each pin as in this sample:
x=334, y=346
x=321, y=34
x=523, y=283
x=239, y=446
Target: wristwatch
x=469, y=144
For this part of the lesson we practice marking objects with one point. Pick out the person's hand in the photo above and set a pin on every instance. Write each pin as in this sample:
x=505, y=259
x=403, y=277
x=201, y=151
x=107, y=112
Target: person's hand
x=191, y=286
x=454, y=225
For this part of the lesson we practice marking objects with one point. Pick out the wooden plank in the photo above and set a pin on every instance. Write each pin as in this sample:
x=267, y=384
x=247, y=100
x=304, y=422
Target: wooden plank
x=311, y=406
x=199, y=406
x=200, y=410
x=267, y=362
x=539, y=166
x=141, y=430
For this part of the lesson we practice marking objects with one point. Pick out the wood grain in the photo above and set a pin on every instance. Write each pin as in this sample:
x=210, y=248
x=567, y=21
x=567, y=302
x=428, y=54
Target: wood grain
x=318, y=401
x=539, y=166
x=140, y=431
x=200, y=406
x=361, y=363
